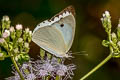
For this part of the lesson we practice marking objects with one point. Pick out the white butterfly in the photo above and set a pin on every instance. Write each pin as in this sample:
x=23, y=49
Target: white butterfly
x=56, y=34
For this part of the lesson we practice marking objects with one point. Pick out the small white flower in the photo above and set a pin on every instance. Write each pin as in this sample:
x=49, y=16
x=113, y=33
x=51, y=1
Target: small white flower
x=107, y=13
x=5, y=18
x=18, y=26
x=6, y=34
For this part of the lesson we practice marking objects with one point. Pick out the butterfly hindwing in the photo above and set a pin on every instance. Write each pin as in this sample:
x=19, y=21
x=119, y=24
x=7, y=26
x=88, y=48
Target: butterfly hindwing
x=49, y=39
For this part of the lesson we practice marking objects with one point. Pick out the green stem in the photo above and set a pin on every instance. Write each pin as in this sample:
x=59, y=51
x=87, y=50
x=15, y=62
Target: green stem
x=97, y=67
x=103, y=62
x=17, y=68
x=58, y=78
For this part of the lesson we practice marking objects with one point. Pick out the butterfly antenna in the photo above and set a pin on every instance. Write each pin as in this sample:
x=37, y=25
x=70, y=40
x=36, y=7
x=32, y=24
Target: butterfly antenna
x=80, y=53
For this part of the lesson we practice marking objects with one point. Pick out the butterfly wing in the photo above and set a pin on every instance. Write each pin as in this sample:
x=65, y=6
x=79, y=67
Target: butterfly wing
x=56, y=35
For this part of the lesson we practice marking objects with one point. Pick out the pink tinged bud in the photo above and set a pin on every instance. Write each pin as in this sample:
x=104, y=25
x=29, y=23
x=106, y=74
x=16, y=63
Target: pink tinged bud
x=2, y=40
x=12, y=29
x=5, y=18
x=6, y=34
x=18, y=26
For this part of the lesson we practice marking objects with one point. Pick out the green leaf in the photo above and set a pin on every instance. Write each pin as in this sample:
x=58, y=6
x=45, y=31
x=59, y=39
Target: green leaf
x=105, y=43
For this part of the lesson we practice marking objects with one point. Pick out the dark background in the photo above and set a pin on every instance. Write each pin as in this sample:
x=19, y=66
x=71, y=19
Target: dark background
x=88, y=37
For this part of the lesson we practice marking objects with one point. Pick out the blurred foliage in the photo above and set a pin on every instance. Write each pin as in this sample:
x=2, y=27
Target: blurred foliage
x=88, y=37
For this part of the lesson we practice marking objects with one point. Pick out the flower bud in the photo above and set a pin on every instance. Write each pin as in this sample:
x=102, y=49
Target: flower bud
x=118, y=43
x=12, y=29
x=20, y=40
x=30, y=36
x=16, y=50
x=6, y=34
x=30, y=33
x=5, y=22
x=19, y=30
x=106, y=21
x=26, y=45
x=27, y=30
x=18, y=26
x=114, y=37
x=107, y=14
x=118, y=31
x=2, y=40
x=5, y=18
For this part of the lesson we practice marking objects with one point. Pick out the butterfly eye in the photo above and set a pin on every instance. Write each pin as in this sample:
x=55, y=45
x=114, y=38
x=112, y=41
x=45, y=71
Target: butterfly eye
x=62, y=25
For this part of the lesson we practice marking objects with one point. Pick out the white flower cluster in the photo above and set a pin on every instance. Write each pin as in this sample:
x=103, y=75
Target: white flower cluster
x=106, y=17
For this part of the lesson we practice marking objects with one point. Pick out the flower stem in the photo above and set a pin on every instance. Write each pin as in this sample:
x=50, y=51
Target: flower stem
x=104, y=61
x=97, y=67
x=17, y=68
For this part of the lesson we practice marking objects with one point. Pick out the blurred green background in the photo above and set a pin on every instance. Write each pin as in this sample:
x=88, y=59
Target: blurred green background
x=88, y=37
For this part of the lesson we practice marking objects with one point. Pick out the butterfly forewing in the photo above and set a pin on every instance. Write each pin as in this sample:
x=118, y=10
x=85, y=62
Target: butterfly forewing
x=67, y=30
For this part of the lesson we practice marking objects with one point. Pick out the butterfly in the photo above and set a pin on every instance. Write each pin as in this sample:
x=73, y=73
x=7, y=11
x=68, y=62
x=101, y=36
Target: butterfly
x=56, y=35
